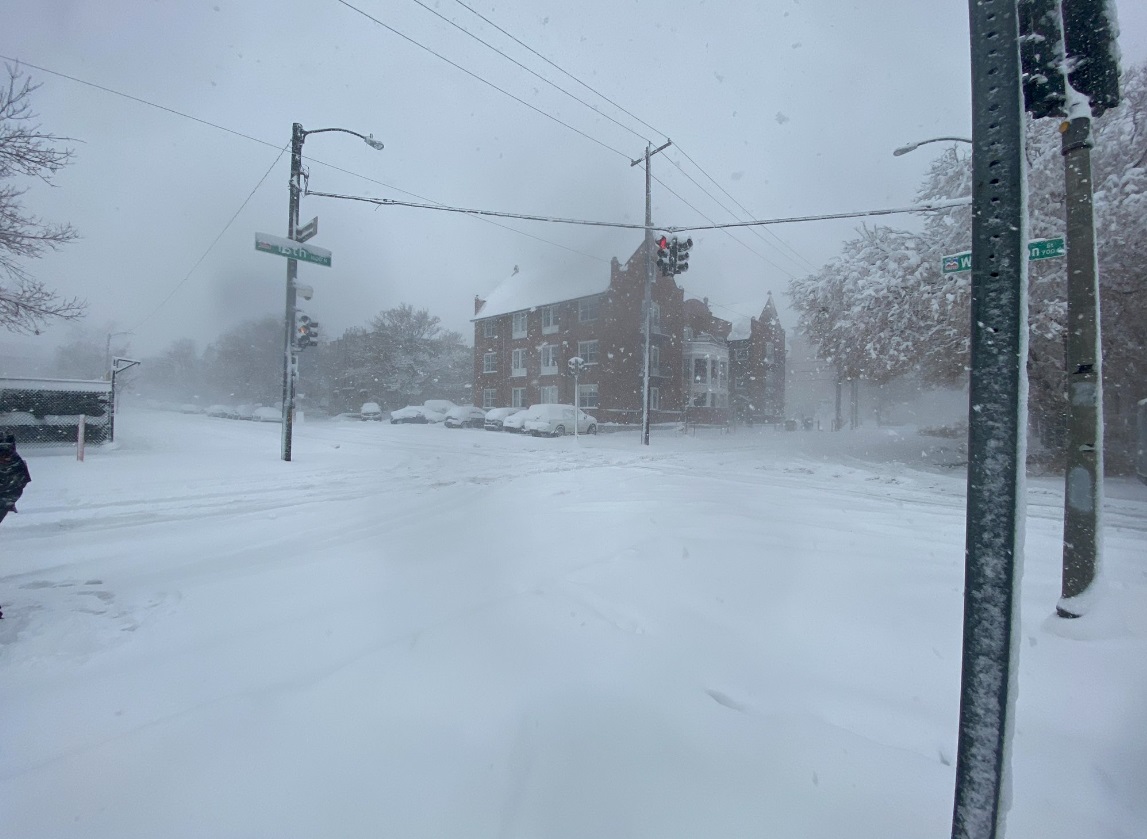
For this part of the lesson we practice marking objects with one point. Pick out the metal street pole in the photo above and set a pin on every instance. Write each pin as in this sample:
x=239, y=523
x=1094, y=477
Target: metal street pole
x=1083, y=475
x=996, y=420
x=647, y=305
x=295, y=187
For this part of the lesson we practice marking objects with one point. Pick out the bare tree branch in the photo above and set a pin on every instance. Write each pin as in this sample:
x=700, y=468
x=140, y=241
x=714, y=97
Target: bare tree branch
x=26, y=304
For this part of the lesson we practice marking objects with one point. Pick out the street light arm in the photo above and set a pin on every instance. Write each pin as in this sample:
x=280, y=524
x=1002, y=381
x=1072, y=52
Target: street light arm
x=369, y=140
x=914, y=146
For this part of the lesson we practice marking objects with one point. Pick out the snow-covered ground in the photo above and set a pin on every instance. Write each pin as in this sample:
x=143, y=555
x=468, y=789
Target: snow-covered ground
x=418, y=632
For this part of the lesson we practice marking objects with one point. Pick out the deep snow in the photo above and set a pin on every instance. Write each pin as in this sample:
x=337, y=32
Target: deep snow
x=419, y=632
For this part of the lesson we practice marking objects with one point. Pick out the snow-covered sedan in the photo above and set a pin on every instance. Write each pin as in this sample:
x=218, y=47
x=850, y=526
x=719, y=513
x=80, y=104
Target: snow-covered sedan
x=465, y=416
x=514, y=421
x=495, y=416
x=419, y=414
x=557, y=420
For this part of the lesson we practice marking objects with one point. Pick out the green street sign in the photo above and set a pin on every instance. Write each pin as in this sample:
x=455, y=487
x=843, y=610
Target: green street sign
x=1037, y=249
x=1045, y=249
x=292, y=250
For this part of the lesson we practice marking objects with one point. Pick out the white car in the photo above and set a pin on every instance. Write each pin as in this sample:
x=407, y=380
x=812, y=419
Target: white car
x=419, y=414
x=371, y=411
x=267, y=415
x=439, y=406
x=557, y=420
x=495, y=417
x=514, y=421
x=465, y=416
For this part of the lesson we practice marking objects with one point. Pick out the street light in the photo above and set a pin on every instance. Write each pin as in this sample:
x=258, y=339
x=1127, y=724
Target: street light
x=298, y=135
x=914, y=146
x=108, y=351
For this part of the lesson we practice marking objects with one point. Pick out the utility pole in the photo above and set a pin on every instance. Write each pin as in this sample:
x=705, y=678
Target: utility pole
x=1083, y=478
x=648, y=298
x=295, y=186
x=996, y=420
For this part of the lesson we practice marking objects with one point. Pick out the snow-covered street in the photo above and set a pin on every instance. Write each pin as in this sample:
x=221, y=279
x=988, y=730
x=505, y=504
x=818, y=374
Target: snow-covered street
x=417, y=632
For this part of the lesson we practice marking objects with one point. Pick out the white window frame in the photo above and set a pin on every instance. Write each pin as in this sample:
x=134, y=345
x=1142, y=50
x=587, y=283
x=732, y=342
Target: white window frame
x=489, y=328
x=548, y=395
x=550, y=350
x=549, y=320
x=518, y=398
x=584, y=391
x=490, y=362
x=520, y=324
x=489, y=397
x=588, y=309
x=654, y=361
x=518, y=362
x=655, y=317
x=654, y=399
x=587, y=351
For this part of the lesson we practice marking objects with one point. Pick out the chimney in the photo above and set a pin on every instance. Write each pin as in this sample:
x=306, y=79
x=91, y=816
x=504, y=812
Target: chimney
x=478, y=304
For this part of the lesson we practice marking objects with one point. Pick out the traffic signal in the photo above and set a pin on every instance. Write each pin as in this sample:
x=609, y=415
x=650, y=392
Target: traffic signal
x=663, y=258
x=306, y=332
x=1083, y=29
x=681, y=249
x=1089, y=32
x=1041, y=56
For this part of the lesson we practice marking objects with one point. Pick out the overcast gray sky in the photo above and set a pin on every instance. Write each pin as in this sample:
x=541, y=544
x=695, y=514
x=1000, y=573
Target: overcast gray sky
x=792, y=107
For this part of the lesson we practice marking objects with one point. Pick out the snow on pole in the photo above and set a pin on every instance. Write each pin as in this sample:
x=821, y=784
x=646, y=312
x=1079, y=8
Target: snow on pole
x=996, y=425
x=80, y=430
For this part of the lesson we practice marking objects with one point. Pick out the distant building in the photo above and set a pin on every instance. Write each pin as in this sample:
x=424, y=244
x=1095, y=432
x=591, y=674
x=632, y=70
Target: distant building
x=532, y=324
x=757, y=346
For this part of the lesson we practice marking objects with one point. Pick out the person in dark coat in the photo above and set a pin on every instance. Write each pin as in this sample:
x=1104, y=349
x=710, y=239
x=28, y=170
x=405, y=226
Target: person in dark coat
x=14, y=475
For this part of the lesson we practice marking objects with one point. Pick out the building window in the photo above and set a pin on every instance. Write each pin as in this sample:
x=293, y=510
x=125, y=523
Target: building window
x=489, y=397
x=654, y=399
x=587, y=396
x=549, y=320
x=700, y=371
x=654, y=361
x=518, y=397
x=699, y=399
x=655, y=318
x=741, y=353
x=519, y=330
x=549, y=359
x=490, y=362
x=518, y=365
x=548, y=395
x=588, y=309
x=490, y=328
x=587, y=351
x=723, y=374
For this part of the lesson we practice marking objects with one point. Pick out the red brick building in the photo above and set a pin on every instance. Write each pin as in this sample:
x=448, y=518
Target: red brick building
x=757, y=364
x=530, y=326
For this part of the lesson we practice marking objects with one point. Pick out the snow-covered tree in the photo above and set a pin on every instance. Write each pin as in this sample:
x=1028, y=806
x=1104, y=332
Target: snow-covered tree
x=27, y=153
x=884, y=308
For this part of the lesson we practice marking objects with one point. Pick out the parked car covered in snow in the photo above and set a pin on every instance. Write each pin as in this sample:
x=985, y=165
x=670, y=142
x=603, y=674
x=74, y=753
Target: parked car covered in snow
x=465, y=416
x=557, y=420
x=418, y=414
x=513, y=423
x=495, y=416
x=267, y=415
x=439, y=406
x=371, y=411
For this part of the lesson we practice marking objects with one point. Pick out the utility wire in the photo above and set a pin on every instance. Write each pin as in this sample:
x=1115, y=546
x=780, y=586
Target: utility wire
x=534, y=73
x=484, y=81
x=559, y=69
x=214, y=242
x=931, y=206
x=223, y=128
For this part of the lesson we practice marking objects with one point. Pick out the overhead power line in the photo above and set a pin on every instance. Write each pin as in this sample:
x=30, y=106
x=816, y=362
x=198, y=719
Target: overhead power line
x=931, y=206
x=484, y=81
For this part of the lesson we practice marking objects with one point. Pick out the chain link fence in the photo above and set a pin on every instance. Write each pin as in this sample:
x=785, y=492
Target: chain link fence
x=48, y=413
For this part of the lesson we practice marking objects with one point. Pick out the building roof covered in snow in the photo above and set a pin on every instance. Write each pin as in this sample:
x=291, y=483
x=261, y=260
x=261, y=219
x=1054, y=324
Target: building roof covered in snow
x=530, y=288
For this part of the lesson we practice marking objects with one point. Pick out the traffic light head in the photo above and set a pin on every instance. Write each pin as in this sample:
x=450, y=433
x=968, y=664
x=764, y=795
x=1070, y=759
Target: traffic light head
x=664, y=259
x=681, y=262
x=306, y=332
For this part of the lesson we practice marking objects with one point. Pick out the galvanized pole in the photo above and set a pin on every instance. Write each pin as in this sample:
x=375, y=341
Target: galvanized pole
x=1083, y=477
x=647, y=305
x=295, y=187
x=648, y=297
x=997, y=417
